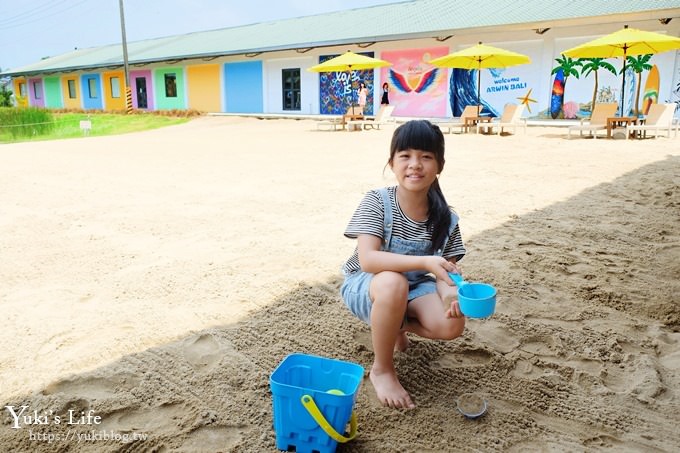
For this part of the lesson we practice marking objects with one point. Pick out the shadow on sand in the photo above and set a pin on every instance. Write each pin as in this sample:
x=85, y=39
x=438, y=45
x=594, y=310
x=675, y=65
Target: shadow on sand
x=581, y=354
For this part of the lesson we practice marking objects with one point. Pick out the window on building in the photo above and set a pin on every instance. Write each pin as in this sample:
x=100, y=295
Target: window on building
x=37, y=90
x=92, y=88
x=71, y=89
x=170, y=85
x=291, y=88
x=115, y=87
x=22, y=89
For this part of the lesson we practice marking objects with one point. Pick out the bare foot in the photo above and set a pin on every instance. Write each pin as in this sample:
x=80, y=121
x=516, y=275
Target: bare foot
x=402, y=343
x=389, y=389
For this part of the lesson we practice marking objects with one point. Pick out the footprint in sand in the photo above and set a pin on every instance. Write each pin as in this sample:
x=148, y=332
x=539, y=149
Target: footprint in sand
x=498, y=337
x=544, y=346
x=669, y=354
x=93, y=387
x=542, y=349
x=208, y=439
x=203, y=352
x=157, y=419
x=468, y=358
x=640, y=377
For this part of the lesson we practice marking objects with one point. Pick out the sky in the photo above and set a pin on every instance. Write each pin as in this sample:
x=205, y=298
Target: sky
x=34, y=29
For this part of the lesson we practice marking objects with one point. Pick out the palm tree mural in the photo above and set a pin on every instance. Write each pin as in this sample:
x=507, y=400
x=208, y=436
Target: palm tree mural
x=638, y=64
x=568, y=67
x=593, y=65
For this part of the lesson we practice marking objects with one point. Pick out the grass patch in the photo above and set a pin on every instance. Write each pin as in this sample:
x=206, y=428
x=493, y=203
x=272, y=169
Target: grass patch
x=67, y=125
x=25, y=123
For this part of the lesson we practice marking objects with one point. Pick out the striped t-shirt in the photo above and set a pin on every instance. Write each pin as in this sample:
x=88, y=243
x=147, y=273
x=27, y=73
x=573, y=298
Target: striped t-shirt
x=369, y=219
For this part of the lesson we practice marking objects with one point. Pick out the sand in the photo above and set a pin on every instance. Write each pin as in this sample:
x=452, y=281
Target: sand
x=151, y=282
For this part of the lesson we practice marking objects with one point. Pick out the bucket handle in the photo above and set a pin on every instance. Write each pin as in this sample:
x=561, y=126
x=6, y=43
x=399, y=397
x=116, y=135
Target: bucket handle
x=310, y=405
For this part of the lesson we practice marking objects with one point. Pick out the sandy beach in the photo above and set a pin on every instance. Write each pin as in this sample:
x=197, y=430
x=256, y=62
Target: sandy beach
x=154, y=280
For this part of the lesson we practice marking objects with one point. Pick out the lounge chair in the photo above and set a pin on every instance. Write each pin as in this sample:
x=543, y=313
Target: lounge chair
x=511, y=118
x=659, y=119
x=332, y=123
x=469, y=111
x=384, y=116
x=597, y=120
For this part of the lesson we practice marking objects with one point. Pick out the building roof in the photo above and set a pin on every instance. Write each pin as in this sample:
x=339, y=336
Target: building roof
x=409, y=19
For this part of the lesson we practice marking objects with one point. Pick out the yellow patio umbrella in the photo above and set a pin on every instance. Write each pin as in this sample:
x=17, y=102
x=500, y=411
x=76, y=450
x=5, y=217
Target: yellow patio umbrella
x=480, y=57
x=348, y=62
x=622, y=43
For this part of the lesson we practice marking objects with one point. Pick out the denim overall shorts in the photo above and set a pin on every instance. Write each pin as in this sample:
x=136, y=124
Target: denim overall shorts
x=355, y=288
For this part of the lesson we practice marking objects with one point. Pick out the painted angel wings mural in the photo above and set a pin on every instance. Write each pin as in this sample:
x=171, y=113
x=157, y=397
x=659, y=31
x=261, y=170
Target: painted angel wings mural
x=420, y=83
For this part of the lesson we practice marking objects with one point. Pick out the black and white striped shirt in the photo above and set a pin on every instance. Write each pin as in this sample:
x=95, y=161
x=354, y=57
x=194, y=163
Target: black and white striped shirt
x=369, y=219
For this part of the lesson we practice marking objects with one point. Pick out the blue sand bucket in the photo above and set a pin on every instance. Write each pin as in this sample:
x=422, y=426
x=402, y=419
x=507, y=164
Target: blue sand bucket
x=476, y=300
x=313, y=399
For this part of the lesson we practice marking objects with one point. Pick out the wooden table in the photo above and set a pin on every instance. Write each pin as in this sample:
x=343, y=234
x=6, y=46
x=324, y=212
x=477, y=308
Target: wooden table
x=351, y=116
x=620, y=121
x=475, y=121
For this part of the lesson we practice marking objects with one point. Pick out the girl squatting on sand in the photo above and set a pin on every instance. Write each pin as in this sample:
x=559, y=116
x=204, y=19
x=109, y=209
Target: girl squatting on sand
x=408, y=241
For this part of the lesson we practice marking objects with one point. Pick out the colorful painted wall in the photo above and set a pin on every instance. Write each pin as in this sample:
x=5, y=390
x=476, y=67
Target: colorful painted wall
x=71, y=97
x=243, y=87
x=657, y=71
x=204, y=87
x=53, y=96
x=113, y=84
x=338, y=90
x=498, y=86
x=170, y=95
x=91, y=87
x=36, y=92
x=416, y=87
x=141, y=82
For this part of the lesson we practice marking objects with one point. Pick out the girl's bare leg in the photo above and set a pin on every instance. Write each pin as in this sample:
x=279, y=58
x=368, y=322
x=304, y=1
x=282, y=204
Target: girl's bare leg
x=389, y=293
x=427, y=319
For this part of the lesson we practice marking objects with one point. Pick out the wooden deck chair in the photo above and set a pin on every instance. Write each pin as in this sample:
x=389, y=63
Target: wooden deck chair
x=383, y=117
x=597, y=120
x=659, y=119
x=468, y=112
x=511, y=118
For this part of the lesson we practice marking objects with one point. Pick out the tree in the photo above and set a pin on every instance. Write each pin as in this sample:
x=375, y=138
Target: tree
x=593, y=65
x=638, y=64
x=568, y=67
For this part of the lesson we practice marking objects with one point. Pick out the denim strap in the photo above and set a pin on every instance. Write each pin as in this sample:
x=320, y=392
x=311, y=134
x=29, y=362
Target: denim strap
x=387, y=218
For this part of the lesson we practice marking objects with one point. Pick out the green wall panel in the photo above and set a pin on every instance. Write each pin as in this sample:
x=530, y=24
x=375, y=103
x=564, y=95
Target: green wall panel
x=53, y=96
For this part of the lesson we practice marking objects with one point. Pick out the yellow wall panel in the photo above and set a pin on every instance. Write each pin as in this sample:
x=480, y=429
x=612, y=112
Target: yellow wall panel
x=22, y=101
x=114, y=90
x=69, y=102
x=204, y=87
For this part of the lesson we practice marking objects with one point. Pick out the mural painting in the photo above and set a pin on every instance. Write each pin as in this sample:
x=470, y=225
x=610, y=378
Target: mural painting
x=338, y=90
x=416, y=87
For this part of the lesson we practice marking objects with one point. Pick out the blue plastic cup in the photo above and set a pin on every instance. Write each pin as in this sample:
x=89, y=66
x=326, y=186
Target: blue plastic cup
x=476, y=300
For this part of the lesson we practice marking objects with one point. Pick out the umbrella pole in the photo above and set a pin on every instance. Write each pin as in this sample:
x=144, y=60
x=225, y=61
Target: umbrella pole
x=623, y=85
x=351, y=88
x=479, y=87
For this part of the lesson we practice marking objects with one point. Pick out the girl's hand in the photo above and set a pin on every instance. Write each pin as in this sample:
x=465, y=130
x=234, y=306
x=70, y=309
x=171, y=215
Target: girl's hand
x=440, y=268
x=454, y=310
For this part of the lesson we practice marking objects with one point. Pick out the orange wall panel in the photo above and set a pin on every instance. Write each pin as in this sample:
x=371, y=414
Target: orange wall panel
x=204, y=87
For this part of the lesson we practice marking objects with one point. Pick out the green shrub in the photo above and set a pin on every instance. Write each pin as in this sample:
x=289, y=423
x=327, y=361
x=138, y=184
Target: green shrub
x=25, y=122
x=5, y=97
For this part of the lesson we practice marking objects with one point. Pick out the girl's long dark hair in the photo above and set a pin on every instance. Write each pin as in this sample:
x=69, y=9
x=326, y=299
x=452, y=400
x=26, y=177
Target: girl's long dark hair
x=425, y=136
